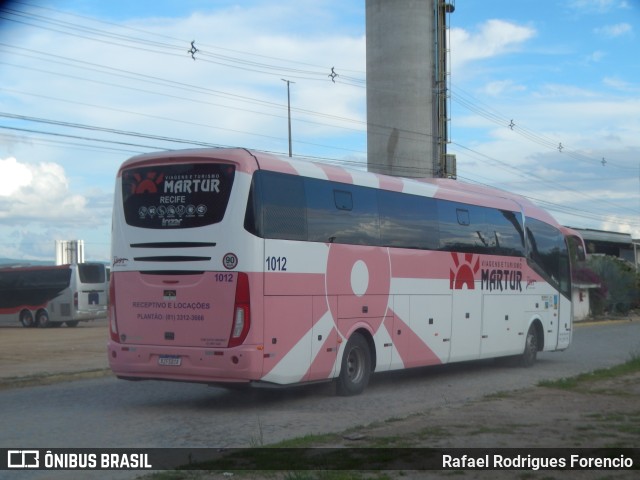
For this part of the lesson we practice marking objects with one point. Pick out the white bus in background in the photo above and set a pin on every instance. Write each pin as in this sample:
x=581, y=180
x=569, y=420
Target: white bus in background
x=48, y=296
x=236, y=266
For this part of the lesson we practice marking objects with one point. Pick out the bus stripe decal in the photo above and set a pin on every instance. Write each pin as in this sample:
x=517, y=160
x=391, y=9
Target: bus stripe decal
x=414, y=352
x=337, y=174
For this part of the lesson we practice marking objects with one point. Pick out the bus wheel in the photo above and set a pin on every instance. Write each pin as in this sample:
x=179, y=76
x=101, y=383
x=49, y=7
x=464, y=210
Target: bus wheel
x=528, y=357
x=43, y=320
x=356, y=366
x=26, y=319
x=72, y=323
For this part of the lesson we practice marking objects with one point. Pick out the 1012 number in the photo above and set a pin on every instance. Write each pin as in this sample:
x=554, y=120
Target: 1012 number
x=276, y=264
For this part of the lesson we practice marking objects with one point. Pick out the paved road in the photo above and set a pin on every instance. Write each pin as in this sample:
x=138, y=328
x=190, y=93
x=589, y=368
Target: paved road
x=107, y=412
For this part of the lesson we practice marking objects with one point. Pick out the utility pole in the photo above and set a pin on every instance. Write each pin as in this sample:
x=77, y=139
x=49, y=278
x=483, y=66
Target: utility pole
x=288, y=110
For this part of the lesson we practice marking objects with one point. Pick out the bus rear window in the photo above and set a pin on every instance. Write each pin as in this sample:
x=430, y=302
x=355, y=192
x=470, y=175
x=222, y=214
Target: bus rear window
x=177, y=195
x=92, y=273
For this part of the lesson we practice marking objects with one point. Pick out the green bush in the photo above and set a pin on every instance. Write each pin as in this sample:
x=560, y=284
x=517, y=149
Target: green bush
x=619, y=285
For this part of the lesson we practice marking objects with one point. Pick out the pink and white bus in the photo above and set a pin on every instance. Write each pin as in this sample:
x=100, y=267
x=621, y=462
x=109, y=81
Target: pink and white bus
x=236, y=266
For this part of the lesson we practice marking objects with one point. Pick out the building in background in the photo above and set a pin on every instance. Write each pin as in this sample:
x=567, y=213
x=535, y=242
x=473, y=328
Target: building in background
x=69, y=252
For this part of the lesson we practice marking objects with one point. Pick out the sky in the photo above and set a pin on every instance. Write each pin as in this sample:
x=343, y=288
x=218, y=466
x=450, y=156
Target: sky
x=544, y=100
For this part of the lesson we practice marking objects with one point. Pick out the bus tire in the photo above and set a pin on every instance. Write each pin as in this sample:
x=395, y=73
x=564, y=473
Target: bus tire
x=531, y=342
x=26, y=319
x=356, y=367
x=72, y=323
x=42, y=319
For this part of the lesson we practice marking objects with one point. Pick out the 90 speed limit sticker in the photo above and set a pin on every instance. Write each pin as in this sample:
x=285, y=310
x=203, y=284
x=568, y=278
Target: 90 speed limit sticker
x=230, y=261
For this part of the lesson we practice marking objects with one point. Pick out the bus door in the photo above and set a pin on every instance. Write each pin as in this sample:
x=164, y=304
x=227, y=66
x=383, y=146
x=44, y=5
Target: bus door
x=431, y=321
x=545, y=308
x=421, y=331
x=565, y=323
x=501, y=324
x=565, y=308
x=466, y=323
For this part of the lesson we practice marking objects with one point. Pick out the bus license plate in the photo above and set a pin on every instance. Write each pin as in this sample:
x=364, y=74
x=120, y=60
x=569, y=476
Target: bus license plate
x=169, y=360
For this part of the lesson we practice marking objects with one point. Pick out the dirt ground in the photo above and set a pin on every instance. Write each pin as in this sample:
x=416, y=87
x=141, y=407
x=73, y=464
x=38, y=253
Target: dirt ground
x=596, y=414
x=599, y=414
x=602, y=414
x=35, y=354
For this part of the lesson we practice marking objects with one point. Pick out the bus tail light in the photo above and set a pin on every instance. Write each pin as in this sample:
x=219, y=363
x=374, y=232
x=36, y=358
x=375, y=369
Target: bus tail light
x=113, y=325
x=75, y=300
x=241, y=312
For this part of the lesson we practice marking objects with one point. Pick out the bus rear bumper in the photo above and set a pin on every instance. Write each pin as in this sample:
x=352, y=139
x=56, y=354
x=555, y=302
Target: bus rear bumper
x=188, y=364
x=87, y=315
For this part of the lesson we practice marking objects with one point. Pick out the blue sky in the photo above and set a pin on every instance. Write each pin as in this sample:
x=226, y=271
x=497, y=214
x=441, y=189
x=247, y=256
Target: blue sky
x=541, y=93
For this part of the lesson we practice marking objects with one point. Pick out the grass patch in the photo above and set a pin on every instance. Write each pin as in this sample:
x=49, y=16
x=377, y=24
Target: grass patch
x=51, y=378
x=573, y=383
x=338, y=461
x=307, y=441
x=499, y=430
x=433, y=432
x=328, y=475
x=499, y=395
x=398, y=441
x=628, y=423
x=324, y=457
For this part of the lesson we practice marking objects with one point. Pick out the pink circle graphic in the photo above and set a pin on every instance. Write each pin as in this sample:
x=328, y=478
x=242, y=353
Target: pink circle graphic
x=348, y=261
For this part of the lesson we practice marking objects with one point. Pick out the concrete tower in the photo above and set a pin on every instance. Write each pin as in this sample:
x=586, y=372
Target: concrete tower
x=406, y=71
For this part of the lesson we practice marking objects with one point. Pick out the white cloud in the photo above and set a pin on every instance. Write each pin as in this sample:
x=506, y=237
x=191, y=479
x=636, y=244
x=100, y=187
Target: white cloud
x=596, y=6
x=232, y=94
x=66, y=188
x=14, y=176
x=617, y=224
x=617, y=30
x=495, y=37
x=564, y=91
x=621, y=85
x=596, y=56
x=501, y=87
x=40, y=193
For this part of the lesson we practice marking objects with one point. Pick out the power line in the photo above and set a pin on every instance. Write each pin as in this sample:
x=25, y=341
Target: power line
x=474, y=105
x=141, y=43
x=181, y=41
x=528, y=174
x=263, y=65
x=149, y=79
x=458, y=95
x=549, y=205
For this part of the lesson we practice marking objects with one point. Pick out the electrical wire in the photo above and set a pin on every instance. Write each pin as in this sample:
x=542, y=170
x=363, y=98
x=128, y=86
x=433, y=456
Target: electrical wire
x=167, y=48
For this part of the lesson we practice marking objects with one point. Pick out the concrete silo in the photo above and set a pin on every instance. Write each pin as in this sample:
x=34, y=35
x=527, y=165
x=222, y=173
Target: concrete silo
x=406, y=86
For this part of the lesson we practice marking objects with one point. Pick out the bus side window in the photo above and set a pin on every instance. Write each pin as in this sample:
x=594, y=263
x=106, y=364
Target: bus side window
x=408, y=221
x=462, y=227
x=279, y=206
x=342, y=213
x=504, y=235
x=548, y=251
x=251, y=219
x=343, y=200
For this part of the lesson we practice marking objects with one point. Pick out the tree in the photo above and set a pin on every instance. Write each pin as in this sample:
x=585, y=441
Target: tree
x=619, y=285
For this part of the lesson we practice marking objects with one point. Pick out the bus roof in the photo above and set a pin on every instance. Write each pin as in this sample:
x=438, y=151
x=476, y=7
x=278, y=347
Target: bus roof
x=248, y=161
